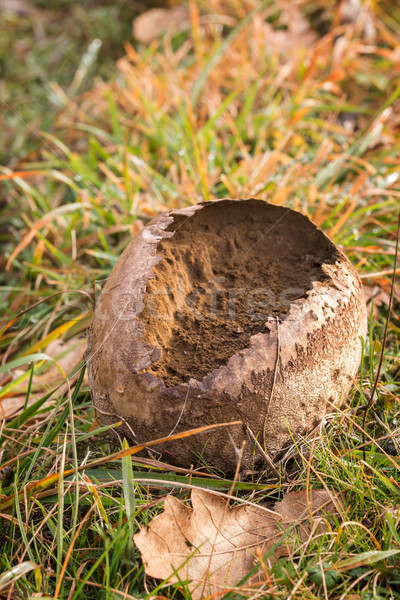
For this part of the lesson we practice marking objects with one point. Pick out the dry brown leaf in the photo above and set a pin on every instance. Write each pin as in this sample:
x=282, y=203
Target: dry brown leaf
x=297, y=35
x=213, y=545
x=153, y=23
x=74, y=350
x=9, y=406
x=307, y=509
x=210, y=545
x=374, y=293
x=307, y=505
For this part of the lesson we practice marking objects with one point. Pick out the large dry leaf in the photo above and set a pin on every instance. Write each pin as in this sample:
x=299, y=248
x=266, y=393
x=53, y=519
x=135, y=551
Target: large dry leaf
x=213, y=545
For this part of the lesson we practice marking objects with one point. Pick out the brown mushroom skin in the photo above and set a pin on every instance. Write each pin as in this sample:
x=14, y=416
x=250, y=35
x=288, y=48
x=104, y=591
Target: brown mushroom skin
x=281, y=385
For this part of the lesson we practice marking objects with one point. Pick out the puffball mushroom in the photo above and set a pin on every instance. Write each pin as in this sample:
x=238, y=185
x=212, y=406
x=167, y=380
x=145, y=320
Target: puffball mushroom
x=224, y=311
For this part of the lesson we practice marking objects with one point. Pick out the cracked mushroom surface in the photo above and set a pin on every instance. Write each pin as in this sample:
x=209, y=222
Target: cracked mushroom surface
x=228, y=310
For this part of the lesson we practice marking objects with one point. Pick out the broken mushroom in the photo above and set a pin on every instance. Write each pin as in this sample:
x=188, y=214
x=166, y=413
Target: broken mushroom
x=228, y=310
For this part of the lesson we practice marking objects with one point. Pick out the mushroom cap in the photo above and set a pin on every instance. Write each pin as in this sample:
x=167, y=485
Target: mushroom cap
x=228, y=310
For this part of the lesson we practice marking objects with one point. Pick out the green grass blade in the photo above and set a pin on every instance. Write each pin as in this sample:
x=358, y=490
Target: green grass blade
x=129, y=496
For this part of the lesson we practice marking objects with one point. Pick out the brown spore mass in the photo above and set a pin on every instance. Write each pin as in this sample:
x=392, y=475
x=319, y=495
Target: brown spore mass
x=224, y=276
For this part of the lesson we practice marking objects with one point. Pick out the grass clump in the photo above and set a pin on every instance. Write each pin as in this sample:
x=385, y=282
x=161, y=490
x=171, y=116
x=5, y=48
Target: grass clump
x=239, y=103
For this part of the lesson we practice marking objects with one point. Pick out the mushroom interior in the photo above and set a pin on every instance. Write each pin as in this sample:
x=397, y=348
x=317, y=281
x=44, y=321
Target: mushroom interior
x=229, y=271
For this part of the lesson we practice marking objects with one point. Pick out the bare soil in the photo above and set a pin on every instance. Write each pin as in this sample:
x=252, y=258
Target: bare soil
x=227, y=274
